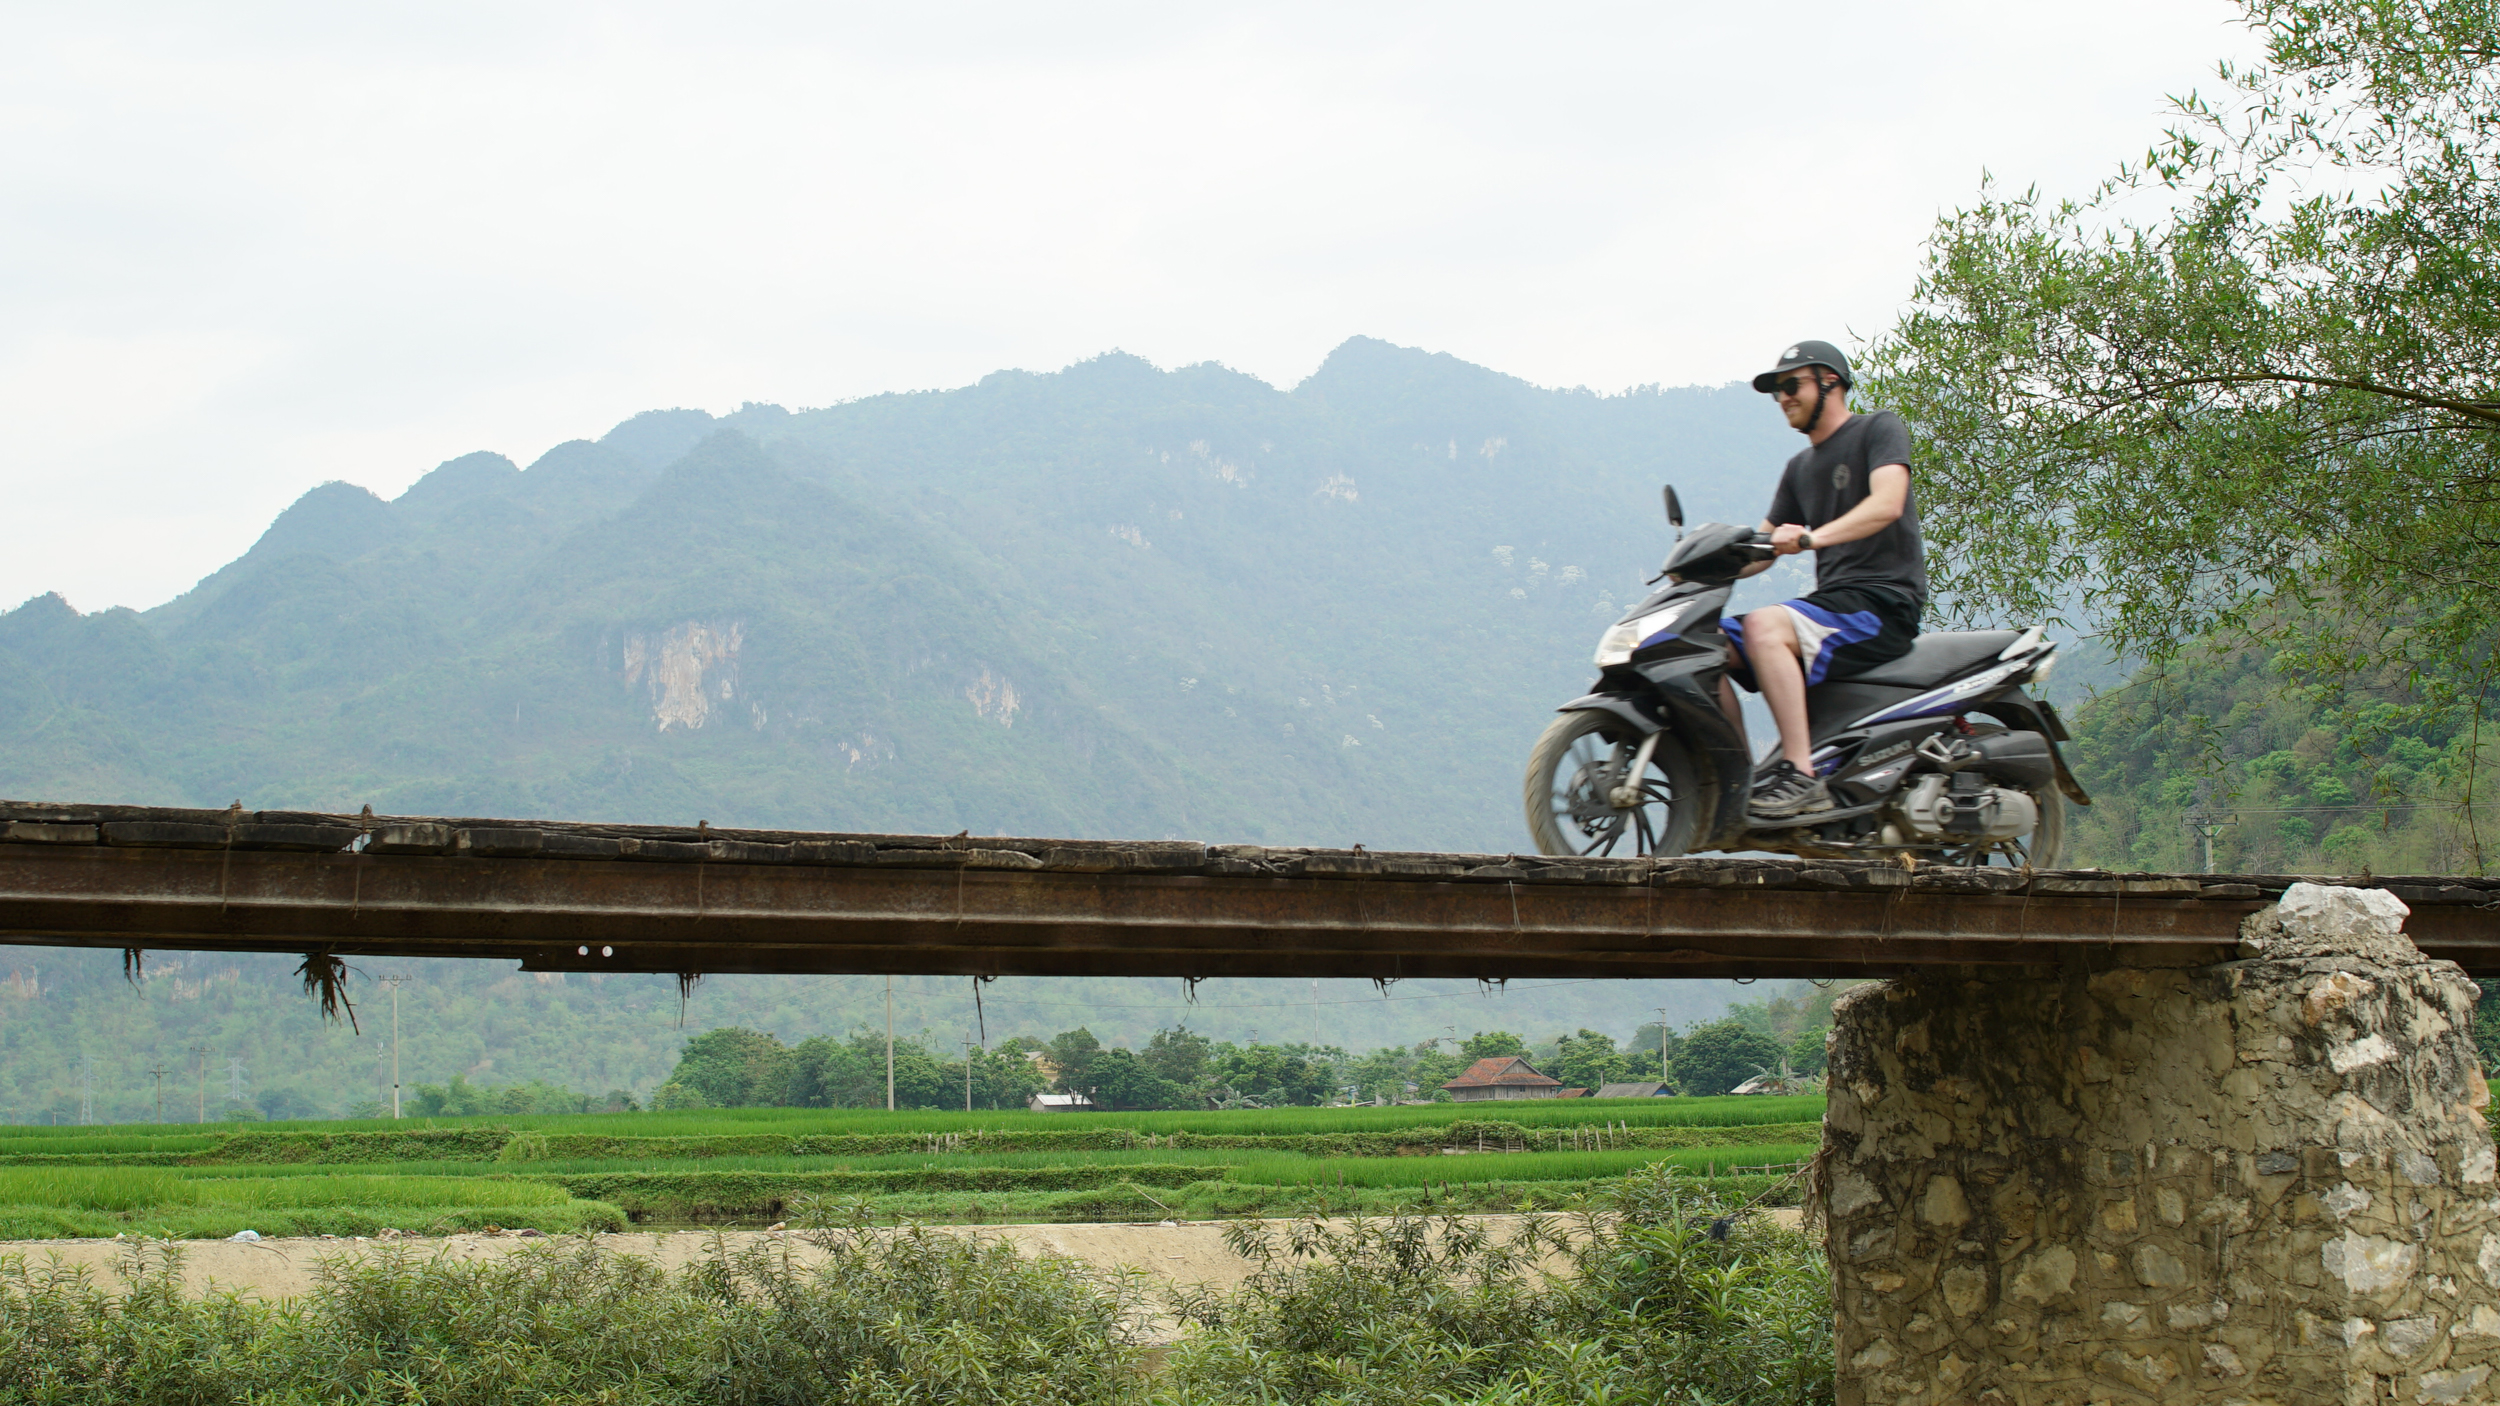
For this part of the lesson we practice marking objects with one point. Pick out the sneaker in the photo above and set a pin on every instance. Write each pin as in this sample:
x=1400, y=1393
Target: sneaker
x=1784, y=792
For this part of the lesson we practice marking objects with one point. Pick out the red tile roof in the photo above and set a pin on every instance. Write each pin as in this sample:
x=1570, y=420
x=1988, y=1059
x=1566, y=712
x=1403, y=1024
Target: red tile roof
x=1511, y=1070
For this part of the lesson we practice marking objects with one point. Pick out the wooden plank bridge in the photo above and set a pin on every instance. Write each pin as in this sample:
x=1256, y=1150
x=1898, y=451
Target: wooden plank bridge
x=637, y=898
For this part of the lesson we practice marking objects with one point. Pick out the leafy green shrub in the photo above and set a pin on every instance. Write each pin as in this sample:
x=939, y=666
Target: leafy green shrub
x=1673, y=1297
x=889, y=1317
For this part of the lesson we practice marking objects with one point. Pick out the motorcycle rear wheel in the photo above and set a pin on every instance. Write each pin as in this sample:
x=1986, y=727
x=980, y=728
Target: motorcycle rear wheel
x=1573, y=768
x=2037, y=850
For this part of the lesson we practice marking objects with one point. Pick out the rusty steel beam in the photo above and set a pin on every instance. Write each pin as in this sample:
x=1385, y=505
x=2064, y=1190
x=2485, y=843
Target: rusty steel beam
x=658, y=899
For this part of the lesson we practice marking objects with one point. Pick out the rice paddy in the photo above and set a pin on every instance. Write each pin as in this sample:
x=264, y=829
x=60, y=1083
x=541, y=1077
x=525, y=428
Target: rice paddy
x=1508, y=1166
x=141, y=1188
x=731, y=1122
x=747, y=1166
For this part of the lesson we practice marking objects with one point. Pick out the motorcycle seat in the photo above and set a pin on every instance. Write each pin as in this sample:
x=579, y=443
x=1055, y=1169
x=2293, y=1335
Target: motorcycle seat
x=1939, y=658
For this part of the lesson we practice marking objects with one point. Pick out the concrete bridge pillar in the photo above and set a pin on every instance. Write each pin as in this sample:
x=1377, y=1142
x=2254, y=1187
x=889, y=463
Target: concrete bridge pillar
x=2266, y=1181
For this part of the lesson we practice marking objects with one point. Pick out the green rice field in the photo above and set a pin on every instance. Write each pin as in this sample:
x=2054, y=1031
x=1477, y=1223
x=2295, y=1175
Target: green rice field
x=750, y=1166
x=137, y=1188
x=730, y=1122
x=1505, y=1166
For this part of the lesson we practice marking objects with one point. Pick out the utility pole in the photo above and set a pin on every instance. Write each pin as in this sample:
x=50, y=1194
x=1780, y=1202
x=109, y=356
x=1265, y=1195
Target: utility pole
x=236, y=1069
x=395, y=982
x=1663, y=1073
x=86, y=1090
x=889, y=1044
x=160, y=1072
x=201, y=1052
x=969, y=1047
x=2207, y=826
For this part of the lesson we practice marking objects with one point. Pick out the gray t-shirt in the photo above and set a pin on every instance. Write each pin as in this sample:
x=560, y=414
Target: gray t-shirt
x=1829, y=479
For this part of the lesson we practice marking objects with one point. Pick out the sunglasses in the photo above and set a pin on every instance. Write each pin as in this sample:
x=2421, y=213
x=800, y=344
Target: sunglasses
x=1787, y=385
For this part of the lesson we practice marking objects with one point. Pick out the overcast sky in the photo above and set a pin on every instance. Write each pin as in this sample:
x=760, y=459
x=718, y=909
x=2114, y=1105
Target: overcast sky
x=246, y=249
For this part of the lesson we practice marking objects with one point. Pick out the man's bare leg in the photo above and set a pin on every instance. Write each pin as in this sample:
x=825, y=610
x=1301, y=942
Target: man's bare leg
x=1727, y=700
x=1771, y=645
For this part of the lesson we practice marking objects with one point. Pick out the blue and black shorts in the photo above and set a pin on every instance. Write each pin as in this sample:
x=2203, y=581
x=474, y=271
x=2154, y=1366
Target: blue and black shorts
x=1842, y=631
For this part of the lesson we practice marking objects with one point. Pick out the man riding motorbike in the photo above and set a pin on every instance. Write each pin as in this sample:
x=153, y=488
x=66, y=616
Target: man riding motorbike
x=1845, y=497
x=1927, y=746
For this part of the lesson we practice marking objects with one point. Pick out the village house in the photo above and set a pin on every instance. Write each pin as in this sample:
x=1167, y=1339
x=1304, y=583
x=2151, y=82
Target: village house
x=1642, y=1088
x=1503, y=1076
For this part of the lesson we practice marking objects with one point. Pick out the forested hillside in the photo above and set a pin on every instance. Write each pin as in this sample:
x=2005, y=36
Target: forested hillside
x=2287, y=781
x=1109, y=601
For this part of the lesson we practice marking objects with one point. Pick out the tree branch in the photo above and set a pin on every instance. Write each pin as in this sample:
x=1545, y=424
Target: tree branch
x=2483, y=410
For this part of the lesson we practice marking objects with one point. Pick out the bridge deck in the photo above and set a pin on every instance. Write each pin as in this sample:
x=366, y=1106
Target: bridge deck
x=584, y=897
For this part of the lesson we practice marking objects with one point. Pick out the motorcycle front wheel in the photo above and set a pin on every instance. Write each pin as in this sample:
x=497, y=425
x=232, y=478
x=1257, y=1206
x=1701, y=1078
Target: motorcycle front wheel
x=1572, y=775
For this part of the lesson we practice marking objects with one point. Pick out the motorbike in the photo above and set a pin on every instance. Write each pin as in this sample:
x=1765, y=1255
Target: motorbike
x=1940, y=754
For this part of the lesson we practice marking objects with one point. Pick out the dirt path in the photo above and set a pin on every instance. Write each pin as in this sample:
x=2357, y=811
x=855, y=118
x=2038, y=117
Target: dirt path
x=1188, y=1252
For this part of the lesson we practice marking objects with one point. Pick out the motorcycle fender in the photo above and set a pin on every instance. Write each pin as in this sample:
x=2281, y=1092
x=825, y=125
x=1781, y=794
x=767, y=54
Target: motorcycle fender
x=2057, y=725
x=2016, y=709
x=1616, y=704
x=1716, y=746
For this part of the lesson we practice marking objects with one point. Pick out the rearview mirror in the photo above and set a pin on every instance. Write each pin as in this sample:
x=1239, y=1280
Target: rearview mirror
x=1675, y=508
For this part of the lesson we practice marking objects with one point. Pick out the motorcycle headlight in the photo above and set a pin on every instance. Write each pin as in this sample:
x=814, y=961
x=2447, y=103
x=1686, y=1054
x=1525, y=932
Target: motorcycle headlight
x=1617, y=644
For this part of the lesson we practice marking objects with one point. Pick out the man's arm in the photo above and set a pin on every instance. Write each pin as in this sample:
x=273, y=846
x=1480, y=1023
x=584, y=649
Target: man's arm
x=1887, y=494
x=1758, y=567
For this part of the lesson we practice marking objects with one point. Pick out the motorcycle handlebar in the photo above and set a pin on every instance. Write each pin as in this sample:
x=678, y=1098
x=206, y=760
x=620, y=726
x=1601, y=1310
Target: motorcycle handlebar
x=1753, y=546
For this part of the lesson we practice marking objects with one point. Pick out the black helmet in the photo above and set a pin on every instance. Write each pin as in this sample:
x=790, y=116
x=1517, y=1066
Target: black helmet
x=1807, y=354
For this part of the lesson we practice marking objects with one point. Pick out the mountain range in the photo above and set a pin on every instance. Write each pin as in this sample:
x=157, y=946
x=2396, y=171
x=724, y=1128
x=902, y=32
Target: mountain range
x=1108, y=601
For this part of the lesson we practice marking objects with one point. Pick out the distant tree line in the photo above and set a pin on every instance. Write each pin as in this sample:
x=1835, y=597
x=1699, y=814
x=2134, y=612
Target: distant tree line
x=1178, y=1068
x=733, y=1067
x=460, y=1098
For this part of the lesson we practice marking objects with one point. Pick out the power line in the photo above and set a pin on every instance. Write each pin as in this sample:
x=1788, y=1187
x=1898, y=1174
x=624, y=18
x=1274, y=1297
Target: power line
x=1177, y=1004
x=2369, y=809
x=1180, y=1003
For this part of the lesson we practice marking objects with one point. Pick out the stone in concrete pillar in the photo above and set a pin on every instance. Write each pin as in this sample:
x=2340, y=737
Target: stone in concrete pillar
x=2267, y=1181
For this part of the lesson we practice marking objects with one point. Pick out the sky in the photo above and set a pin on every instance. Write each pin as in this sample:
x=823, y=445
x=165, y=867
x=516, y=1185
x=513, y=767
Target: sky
x=246, y=249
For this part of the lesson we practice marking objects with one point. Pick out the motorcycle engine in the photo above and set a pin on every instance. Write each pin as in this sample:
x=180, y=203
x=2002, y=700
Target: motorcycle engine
x=1964, y=807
